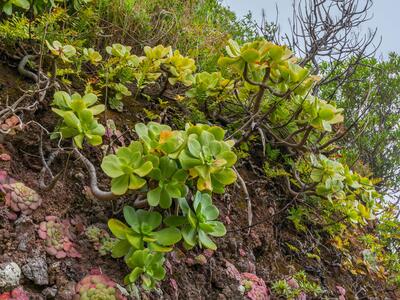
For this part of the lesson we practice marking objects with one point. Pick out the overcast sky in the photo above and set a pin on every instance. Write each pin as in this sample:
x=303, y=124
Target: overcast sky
x=385, y=16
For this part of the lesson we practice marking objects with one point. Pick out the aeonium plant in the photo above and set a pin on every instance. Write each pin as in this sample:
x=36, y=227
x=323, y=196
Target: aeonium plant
x=320, y=114
x=169, y=158
x=128, y=167
x=171, y=183
x=160, y=139
x=199, y=222
x=208, y=157
x=146, y=265
x=141, y=232
x=78, y=114
x=64, y=52
x=142, y=245
x=209, y=85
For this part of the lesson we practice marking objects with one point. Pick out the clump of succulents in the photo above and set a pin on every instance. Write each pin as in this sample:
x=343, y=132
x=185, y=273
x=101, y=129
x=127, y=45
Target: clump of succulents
x=101, y=240
x=97, y=287
x=21, y=198
x=57, y=240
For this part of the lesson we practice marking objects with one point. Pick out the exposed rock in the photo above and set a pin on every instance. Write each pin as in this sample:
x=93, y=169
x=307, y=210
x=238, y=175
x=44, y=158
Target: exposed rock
x=10, y=274
x=50, y=292
x=36, y=270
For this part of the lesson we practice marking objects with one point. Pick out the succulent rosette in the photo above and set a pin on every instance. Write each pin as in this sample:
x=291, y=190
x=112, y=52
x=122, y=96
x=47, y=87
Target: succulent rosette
x=97, y=287
x=21, y=198
x=57, y=238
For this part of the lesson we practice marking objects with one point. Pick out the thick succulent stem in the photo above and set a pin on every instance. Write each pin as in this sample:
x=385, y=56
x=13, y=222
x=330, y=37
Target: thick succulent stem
x=25, y=72
x=100, y=194
x=96, y=191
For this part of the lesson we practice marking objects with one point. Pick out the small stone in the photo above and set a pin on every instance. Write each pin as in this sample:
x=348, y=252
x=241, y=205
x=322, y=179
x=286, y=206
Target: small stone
x=36, y=270
x=10, y=274
x=50, y=292
x=201, y=259
x=67, y=292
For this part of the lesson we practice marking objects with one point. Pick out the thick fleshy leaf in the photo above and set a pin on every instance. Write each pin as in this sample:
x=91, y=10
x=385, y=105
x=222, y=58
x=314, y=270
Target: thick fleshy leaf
x=97, y=109
x=112, y=166
x=72, y=120
x=118, y=228
x=165, y=199
x=78, y=140
x=119, y=185
x=89, y=99
x=226, y=176
x=144, y=169
x=250, y=55
x=149, y=220
x=134, y=275
x=210, y=212
x=168, y=236
x=180, y=176
x=184, y=205
x=136, y=182
x=159, y=273
x=194, y=145
x=189, y=235
x=175, y=221
x=153, y=196
x=141, y=130
x=187, y=161
x=219, y=228
x=135, y=241
x=159, y=248
x=206, y=227
x=131, y=218
x=229, y=157
x=206, y=241
x=61, y=99
x=173, y=190
x=120, y=249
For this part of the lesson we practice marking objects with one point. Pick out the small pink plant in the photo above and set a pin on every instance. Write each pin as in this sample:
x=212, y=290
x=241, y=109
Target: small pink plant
x=257, y=290
x=18, y=196
x=341, y=291
x=15, y=294
x=254, y=287
x=57, y=238
x=21, y=198
x=93, y=287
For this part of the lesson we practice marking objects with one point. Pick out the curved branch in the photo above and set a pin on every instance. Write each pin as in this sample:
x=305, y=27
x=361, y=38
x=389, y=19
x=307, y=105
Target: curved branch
x=46, y=168
x=139, y=202
x=24, y=72
x=96, y=191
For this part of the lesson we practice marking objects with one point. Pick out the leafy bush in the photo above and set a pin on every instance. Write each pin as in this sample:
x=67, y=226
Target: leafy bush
x=141, y=246
x=199, y=222
x=78, y=114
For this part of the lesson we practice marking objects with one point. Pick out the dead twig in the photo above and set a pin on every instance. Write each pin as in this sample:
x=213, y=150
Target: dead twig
x=248, y=199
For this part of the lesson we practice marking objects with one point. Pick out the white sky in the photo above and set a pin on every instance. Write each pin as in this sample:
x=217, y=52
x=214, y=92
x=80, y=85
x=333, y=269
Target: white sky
x=385, y=16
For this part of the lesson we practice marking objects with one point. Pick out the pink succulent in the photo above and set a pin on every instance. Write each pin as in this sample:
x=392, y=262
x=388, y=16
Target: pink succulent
x=342, y=292
x=99, y=286
x=254, y=285
x=15, y=294
x=21, y=198
x=292, y=283
x=258, y=289
x=57, y=239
